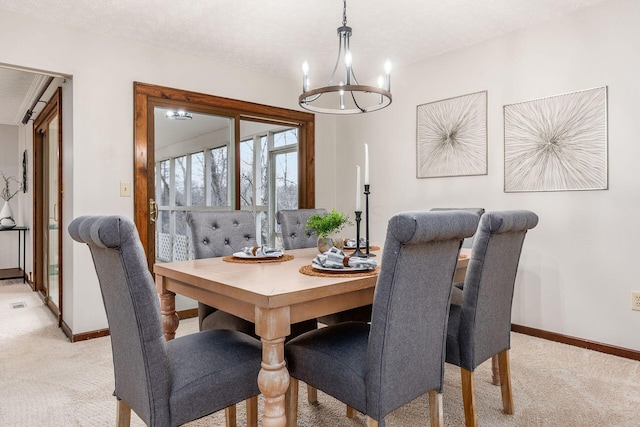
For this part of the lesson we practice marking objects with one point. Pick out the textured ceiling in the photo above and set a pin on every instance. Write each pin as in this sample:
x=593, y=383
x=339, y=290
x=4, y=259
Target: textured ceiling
x=276, y=36
x=18, y=89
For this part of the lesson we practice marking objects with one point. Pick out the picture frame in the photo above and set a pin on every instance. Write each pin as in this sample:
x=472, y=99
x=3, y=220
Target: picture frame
x=451, y=137
x=558, y=143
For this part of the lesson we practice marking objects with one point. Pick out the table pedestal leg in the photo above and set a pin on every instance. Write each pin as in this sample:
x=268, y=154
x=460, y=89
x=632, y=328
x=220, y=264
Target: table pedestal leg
x=170, y=319
x=273, y=380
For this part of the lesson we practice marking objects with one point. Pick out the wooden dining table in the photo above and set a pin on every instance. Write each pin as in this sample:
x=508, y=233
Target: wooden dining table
x=273, y=295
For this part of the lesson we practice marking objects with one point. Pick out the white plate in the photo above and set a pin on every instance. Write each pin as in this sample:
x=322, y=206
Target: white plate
x=340, y=270
x=245, y=256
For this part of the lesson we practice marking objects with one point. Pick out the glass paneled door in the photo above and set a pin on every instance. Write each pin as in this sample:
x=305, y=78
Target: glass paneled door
x=52, y=219
x=47, y=204
x=201, y=172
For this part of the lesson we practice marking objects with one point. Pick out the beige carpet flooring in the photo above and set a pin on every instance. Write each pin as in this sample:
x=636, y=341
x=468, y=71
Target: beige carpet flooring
x=47, y=381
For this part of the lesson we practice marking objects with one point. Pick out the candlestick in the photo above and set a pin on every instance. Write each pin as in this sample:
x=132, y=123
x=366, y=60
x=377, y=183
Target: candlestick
x=358, y=252
x=366, y=206
x=366, y=164
x=358, y=189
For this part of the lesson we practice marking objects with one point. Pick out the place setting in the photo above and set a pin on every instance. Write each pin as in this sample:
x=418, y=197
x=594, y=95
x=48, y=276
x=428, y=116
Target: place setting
x=258, y=254
x=335, y=261
x=350, y=245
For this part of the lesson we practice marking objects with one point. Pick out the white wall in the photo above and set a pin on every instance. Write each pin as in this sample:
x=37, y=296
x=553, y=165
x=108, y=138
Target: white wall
x=11, y=166
x=577, y=269
x=99, y=152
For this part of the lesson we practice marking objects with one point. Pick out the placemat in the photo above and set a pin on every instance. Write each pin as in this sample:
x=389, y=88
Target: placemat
x=283, y=258
x=310, y=271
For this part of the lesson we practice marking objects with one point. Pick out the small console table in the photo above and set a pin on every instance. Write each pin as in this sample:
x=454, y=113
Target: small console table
x=16, y=273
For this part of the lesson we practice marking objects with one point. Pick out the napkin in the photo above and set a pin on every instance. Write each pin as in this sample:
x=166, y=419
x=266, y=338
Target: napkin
x=335, y=258
x=261, y=251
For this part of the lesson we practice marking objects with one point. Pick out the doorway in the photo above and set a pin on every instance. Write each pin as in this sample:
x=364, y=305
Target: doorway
x=47, y=158
x=148, y=99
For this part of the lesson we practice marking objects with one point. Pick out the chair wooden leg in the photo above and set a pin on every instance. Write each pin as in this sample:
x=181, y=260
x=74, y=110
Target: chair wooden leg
x=291, y=403
x=370, y=421
x=495, y=370
x=312, y=394
x=436, y=411
x=505, y=382
x=123, y=414
x=351, y=412
x=230, y=416
x=252, y=411
x=468, y=399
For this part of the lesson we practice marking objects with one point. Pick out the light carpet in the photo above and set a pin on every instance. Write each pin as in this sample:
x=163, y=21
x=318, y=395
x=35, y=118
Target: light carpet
x=47, y=381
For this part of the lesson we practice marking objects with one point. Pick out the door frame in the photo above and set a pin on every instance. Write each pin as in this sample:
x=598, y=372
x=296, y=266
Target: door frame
x=53, y=107
x=147, y=97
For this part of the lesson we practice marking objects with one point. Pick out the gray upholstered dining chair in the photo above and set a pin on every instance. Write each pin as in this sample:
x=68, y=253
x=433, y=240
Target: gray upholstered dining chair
x=468, y=242
x=480, y=315
x=165, y=383
x=294, y=234
x=216, y=234
x=221, y=233
x=378, y=367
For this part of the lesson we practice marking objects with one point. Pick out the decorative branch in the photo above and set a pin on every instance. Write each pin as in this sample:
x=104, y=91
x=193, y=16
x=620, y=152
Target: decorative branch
x=8, y=194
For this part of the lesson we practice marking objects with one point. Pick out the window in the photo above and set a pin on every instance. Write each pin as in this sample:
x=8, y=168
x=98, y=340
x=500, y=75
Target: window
x=219, y=177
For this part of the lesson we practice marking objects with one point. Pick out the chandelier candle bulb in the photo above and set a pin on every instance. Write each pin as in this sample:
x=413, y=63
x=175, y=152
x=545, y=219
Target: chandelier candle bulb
x=366, y=164
x=305, y=76
x=387, y=70
x=358, y=207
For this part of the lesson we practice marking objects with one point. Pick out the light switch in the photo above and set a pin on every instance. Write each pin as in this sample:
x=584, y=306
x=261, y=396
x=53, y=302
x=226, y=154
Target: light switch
x=125, y=189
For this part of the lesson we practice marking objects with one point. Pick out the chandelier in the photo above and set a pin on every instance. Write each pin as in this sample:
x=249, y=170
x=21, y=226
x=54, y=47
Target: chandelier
x=343, y=94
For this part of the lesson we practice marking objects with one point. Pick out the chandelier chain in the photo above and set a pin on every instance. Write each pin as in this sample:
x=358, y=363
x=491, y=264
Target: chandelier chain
x=344, y=14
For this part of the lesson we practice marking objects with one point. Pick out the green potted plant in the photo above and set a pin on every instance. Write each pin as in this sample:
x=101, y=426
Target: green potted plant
x=325, y=225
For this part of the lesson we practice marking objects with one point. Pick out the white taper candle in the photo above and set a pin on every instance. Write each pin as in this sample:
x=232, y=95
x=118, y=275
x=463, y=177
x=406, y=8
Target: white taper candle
x=366, y=164
x=358, y=208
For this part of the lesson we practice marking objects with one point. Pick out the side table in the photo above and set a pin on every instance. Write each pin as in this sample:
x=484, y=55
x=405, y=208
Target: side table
x=16, y=273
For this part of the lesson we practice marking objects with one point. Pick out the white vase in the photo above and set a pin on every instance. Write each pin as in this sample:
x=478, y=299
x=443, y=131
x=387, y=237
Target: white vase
x=6, y=216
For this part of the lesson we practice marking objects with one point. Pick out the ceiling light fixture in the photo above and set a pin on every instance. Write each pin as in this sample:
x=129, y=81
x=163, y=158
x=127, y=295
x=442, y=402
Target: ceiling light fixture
x=345, y=96
x=178, y=115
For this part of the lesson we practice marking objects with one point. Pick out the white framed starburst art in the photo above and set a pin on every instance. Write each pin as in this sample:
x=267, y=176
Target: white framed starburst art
x=557, y=143
x=451, y=137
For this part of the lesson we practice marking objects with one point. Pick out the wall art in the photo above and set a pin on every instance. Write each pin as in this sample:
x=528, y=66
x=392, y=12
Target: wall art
x=557, y=143
x=451, y=137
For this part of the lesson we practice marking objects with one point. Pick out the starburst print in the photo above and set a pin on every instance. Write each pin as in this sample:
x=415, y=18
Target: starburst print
x=451, y=137
x=557, y=143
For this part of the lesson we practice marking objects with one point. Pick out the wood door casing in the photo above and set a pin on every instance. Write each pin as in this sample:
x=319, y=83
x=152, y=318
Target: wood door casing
x=147, y=97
